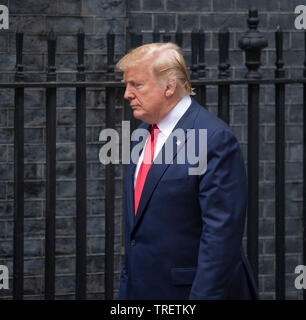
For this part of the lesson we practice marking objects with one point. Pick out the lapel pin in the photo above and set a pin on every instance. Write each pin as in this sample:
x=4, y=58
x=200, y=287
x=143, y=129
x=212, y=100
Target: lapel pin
x=178, y=142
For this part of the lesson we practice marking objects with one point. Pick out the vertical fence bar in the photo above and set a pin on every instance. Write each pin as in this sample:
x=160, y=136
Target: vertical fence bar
x=253, y=42
x=51, y=172
x=18, y=175
x=304, y=163
x=223, y=90
x=253, y=176
x=179, y=36
x=81, y=198
x=279, y=170
x=110, y=101
x=109, y=202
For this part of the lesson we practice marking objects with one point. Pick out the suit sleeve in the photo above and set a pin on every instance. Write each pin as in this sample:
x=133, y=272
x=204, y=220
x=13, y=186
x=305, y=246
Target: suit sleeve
x=223, y=202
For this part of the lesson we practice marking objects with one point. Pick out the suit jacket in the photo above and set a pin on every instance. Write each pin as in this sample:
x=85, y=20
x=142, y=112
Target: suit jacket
x=186, y=239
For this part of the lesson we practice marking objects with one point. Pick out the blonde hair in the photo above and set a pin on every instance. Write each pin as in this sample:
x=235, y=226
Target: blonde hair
x=168, y=62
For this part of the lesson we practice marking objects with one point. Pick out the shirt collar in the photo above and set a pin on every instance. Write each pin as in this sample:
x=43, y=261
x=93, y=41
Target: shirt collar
x=167, y=124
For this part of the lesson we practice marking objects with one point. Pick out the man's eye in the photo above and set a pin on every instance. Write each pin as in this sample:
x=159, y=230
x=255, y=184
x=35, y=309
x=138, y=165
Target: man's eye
x=138, y=85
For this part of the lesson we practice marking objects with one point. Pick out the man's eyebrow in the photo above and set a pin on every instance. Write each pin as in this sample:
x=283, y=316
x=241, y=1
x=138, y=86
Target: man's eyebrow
x=129, y=81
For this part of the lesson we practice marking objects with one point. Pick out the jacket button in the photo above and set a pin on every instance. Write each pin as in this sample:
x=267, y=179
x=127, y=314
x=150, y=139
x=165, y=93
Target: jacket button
x=133, y=242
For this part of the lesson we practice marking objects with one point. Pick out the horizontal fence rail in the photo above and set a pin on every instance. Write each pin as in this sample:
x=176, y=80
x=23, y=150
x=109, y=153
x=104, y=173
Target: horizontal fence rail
x=104, y=84
x=252, y=43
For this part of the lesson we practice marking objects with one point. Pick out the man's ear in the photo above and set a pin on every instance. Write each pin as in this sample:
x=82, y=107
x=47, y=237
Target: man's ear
x=170, y=88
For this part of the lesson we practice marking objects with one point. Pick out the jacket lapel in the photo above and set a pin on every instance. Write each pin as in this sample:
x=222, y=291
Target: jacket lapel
x=157, y=170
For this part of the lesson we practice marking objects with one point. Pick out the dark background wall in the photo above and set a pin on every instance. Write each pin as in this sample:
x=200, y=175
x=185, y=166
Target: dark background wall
x=96, y=17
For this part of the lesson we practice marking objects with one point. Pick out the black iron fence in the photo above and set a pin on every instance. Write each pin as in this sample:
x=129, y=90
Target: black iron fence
x=252, y=43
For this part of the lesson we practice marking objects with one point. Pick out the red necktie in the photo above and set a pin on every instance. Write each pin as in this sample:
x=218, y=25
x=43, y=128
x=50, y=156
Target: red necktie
x=145, y=165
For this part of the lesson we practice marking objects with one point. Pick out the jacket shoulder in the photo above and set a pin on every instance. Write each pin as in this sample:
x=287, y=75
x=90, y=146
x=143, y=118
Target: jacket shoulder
x=207, y=120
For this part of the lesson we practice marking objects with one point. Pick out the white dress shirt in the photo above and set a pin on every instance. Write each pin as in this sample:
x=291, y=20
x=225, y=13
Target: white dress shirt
x=166, y=125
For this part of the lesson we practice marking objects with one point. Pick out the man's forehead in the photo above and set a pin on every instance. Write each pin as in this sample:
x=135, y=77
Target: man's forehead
x=137, y=71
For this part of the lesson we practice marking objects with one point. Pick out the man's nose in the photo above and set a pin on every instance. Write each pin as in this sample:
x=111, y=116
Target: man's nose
x=128, y=94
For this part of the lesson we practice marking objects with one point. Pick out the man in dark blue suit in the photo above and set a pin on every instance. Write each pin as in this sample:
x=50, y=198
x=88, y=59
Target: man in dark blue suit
x=183, y=231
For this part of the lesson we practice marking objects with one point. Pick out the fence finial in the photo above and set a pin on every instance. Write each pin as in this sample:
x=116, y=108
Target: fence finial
x=279, y=72
x=19, y=76
x=194, y=53
x=156, y=35
x=167, y=36
x=80, y=64
x=110, y=55
x=111, y=25
x=223, y=38
x=51, y=76
x=202, y=64
x=51, y=35
x=252, y=43
x=179, y=36
x=304, y=73
x=136, y=38
x=253, y=18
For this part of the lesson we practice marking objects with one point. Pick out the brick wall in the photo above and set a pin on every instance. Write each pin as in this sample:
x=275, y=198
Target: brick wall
x=36, y=18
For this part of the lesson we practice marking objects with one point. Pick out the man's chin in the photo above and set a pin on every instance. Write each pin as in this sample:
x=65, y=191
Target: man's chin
x=138, y=114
